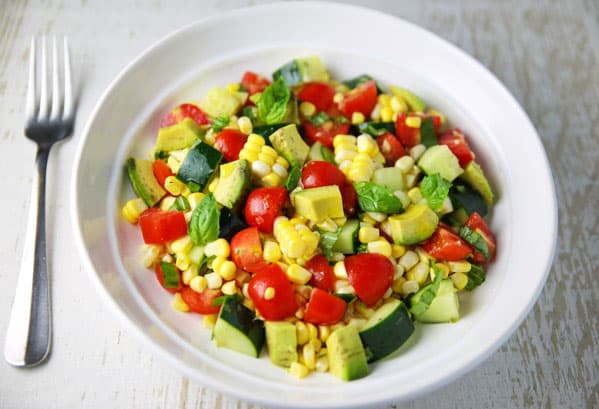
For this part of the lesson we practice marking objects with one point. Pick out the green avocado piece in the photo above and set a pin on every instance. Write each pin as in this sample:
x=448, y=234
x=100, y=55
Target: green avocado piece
x=318, y=203
x=416, y=224
x=439, y=159
x=219, y=102
x=445, y=307
x=143, y=181
x=288, y=142
x=233, y=184
x=292, y=111
x=199, y=166
x=414, y=102
x=347, y=358
x=391, y=178
x=281, y=341
x=179, y=136
x=475, y=177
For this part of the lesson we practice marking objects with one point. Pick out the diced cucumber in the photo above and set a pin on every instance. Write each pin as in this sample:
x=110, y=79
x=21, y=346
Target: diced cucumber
x=320, y=152
x=199, y=166
x=237, y=328
x=391, y=178
x=229, y=224
x=386, y=330
x=347, y=297
x=302, y=70
x=464, y=196
x=445, y=307
x=439, y=159
x=266, y=130
x=361, y=79
x=348, y=237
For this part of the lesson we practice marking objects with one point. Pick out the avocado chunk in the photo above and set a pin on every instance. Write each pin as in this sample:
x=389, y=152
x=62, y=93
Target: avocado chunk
x=391, y=178
x=233, y=184
x=199, y=165
x=318, y=203
x=219, y=102
x=292, y=111
x=179, y=136
x=439, y=159
x=416, y=224
x=281, y=342
x=475, y=177
x=445, y=307
x=144, y=182
x=288, y=143
x=414, y=102
x=300, y=70
x=347, y=358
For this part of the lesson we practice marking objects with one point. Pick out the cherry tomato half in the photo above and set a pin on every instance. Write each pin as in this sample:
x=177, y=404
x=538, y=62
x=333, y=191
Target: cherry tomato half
x=318, y=93
x=477, y=223
x=184, y=111
x=390, y=147
x=263, y=206
x=446, y=245
x=371, y=276
x=320, y=173
x=253, y=82
x=161, y=171
x=246, y=250
x=322, y=273
x=324, y=308
x=230, y=142
x=281, y=303
x=159, y=226
x=360, y=99
x=408, y=136
x=350, y=199
x=160, y=278
x=456, y=142
x=325, y=132
x=202, y=303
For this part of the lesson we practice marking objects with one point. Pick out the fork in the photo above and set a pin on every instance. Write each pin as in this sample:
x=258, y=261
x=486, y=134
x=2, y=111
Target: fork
x=29, y=333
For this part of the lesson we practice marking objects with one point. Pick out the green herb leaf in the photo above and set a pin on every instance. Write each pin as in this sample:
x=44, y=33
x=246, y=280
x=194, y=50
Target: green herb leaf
x=377, y=198
x=319, y=119
x=203, y=226
x=476, y=240
x=251, y=112
x=340, y=120
x=220, y=123
x=272, y=104
x=362, y=248
x=327, y=155
x=327, y=241
x=476, y=276
x=428, y=293
x=427, y=132
x=180, y=203
x=434, y=189
x=170, y=275
x=295, y=174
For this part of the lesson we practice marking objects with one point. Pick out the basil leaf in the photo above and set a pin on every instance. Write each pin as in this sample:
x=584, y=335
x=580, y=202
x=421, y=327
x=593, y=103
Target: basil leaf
x=220, y=123
x=272, y=104
x=180, y=203
x=319, y=119
x=170, y=275
x=476, y=240
x=377, y=198
x=327, y=241
x=428, y=293
x=362, y=248
x=295, y=173
x=427, y=132
x=476, y=276
x=203, y=226
x=434, y=189
x=327, y=155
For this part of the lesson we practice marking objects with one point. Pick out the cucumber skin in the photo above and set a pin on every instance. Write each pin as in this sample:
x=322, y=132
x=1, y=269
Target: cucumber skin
x=199, y=165
x=241, y=318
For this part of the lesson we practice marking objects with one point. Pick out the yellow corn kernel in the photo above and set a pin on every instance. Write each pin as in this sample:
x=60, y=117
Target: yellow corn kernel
x=338, y=97
x=380, y=246
x=227, y=270
x=209, y=321
x=272, y=179
x=366, y=218
x=423, y=256
x=459, y=266
x=198, y=284
x=413, y=121
x=298, y=370
x=182, y=245
x=255, y=140
x=357, y=118
x=179, y=304
x=327, y=225
x=272, y=251
x=416, y=152
x=443, y=268
x=398, y=104
x=415, y=195
x=409, y=287
x=167, y=202
x=151, y=254
x=384, y=99
x=229, y=288
x=219, y=247
x=309, y=355
x=174, y=186
x=386, y=114
x=189, y=274
x=298, y=275
x=245, y=125
x=183, y=262
x=312, y=331
x=233, y=87
x=408, y=260
x=323, y=332
x=301, y=333
x=269, y=293
x=195, y=198
x=216, y=262
x=363, y=310
x=397, y=285
x=282, y=161
x=307, y=109
x=398, y=250
x=213, y=281
x=339, y=270
x=322, y=364
x=460, y=280
x=248, y=155
x=342, y=139
x=133, y=209
x=212, y=185
x=418, y=273
x=366, y=234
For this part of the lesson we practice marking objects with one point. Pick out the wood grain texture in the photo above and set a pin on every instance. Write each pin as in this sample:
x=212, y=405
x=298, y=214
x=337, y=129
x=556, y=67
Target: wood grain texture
x=545, y=52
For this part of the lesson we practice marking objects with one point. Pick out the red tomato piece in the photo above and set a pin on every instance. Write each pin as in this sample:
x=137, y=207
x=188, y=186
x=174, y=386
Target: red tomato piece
x=322, y=273
x=283, y=303
x=390, y=147
x=230, y=142
x=408, y=136
x=350, y=199
x=202, y=303
x=456, y=142
x=324, y=308
x=370, y=274
x=360, y=99
x=320, y=173
x=184, y=111
x=161, y=171
x=325, y=132
x=253, y=82
x=246, y=250
x=477, y=223
x=159, y=226
x=263, y=206
x=446, y=245
x=318, y=93
x=160, y=278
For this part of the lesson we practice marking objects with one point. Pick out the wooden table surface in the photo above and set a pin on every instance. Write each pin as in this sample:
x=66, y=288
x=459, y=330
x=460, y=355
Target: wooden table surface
x=545, y=52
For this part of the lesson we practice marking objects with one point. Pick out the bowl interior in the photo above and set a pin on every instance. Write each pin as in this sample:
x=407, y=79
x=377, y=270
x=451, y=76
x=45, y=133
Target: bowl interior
x=184, y=66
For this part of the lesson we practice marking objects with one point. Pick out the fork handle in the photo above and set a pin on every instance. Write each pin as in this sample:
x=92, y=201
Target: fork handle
x=29, y=329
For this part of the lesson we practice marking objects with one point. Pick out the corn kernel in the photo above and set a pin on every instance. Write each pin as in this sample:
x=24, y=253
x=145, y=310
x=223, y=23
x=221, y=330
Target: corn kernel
x=418, y=273
x=423, y=256
x=377, y=216
x=309, y=355
x=212, y=185
x=213, y=280
x=415, y=194
x=386, y=114
x=443, y=268
x=279, y=170
x=301, y=333
x=167, y=202
x=339, y=270
x=133, y=209
x=459, y=266
x=189, y=274
x=245, y=125
x=364, y=310
x=403, y=197
x=398, y=104
x=272, y=179
x=227, y=270
x=366, y=234
x=151, y=254
x=327, y=225
x=408, y=260
x=405, y=163
x=338, y=97
x=357, y=118
x=413, y=121
x=229, y=288
x=417, y=151
x=460, y=280
x=397, y=285
x=272, y=251
x=233, y=87
x=216, y=263
x=322, y=364
x=282, y=161
x=307, y=109
x=323, y=332
x=195, y=198
x=260, y=168
x=409, y=287
x=312, y=331
x=380, y=247
x=209, y=321
x=179, y=304
x=198, y=284
x=219, y=247
x=298, y=275
x=398, y=250
x=174, y=186
x=182, y=245
x=167, y=258
x=183, y=262
x=298, y=370
x=446, y=206
x=269, y=293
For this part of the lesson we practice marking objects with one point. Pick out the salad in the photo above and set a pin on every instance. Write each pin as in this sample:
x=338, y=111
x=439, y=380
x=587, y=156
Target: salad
x=318, y=218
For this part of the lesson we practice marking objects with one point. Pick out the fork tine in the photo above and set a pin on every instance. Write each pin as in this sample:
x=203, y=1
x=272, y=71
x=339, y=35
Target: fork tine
x=43, y=111
x=55, y=110
x=30, y=103
x=68, y=91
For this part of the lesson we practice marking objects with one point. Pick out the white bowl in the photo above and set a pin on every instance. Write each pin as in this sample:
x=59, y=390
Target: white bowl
x=350, y=41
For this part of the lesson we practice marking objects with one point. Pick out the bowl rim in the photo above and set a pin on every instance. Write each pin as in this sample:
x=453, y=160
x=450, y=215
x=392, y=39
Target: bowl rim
x=467, y=364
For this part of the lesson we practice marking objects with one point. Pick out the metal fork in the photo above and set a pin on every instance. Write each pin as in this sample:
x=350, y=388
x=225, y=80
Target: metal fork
x=29, y=331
